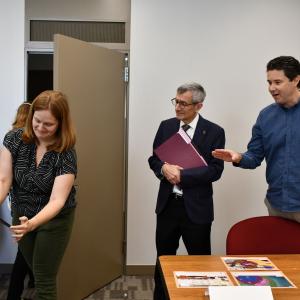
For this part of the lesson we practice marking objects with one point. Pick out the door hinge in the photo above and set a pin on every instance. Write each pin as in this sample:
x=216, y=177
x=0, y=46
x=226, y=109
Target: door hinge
x=126, y=74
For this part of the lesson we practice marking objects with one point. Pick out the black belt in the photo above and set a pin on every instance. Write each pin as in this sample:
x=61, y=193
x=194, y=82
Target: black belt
x=177, y=196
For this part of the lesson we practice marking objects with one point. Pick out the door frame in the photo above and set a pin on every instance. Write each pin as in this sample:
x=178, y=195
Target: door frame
x=48, y=48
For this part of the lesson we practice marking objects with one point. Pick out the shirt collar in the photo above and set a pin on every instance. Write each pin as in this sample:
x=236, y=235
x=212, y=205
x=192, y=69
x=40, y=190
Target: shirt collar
x=192, y=124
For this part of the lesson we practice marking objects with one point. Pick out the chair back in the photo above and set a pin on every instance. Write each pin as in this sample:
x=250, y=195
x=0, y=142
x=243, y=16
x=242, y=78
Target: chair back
x=264, y=235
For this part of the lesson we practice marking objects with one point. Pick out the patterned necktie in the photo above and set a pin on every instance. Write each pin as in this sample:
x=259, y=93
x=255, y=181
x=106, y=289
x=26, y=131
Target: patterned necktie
x=185, y=127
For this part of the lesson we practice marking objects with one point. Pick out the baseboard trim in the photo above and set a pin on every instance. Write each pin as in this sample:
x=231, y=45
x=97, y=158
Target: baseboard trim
x=129, y=269
x=139, y=270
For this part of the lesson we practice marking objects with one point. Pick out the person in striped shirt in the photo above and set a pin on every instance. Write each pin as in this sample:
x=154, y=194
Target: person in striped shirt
x=38, y=166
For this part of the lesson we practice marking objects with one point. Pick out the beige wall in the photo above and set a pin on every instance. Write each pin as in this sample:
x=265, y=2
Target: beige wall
x=224, y=45
x=78, y=10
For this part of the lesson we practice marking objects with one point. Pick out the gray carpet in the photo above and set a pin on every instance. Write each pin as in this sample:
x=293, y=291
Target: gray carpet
x=125, y=287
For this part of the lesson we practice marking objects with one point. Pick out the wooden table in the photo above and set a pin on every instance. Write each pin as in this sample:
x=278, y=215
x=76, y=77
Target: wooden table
x=289, y=264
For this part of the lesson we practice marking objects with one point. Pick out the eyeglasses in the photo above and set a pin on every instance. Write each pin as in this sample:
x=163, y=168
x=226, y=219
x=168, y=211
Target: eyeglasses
x=180, y=103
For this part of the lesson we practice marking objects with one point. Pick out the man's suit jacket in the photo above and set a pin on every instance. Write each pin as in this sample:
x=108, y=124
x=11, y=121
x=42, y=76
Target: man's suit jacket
x=196, y=183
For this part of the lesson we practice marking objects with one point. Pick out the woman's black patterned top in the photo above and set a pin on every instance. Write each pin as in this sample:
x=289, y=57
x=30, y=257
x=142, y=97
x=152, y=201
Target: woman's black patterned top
x=32, y=185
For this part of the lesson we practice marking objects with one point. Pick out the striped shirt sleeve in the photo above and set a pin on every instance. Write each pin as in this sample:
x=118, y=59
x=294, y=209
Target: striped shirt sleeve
x=67, y=163
x=12, y=141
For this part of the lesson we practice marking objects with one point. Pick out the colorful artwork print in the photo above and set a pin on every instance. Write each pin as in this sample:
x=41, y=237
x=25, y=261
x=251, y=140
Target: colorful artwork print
x=201, y=279
x=249, y=263
x=273, y=279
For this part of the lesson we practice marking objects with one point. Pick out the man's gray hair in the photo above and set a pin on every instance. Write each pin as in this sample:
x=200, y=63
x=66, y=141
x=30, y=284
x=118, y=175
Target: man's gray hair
x=196, y=89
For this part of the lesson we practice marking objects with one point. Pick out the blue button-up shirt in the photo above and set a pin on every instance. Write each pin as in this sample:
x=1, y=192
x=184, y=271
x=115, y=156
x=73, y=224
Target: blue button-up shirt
x=276, y=137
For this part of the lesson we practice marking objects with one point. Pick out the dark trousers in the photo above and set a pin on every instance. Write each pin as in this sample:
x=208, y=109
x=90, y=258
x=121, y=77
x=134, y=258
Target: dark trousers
x=17, y=277
x=172, y=224
x=43, y=250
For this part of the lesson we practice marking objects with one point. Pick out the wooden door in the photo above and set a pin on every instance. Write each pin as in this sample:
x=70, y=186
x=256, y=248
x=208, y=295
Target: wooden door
x=92, y=79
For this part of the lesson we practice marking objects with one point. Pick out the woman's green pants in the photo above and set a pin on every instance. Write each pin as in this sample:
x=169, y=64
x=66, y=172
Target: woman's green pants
x=43, y=250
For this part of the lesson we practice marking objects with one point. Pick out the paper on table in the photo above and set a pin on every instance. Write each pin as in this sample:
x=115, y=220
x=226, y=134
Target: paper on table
x=275, y=279
x=240, y=292
x=192, y=279
x=248, y=263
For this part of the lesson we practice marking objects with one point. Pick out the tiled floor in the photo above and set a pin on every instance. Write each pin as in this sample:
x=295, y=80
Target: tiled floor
x=125, y=287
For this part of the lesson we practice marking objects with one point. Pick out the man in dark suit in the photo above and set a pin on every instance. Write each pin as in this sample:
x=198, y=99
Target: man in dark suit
x=185, y=204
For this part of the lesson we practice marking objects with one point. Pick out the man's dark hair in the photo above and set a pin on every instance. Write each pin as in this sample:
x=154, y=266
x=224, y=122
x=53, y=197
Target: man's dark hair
x=288, y=64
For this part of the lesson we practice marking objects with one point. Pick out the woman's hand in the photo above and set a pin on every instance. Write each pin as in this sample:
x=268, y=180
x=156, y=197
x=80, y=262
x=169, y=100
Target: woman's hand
x=18, y=231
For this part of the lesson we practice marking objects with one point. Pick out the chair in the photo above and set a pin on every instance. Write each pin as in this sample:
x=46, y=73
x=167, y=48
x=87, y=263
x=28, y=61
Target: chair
x=264, y=235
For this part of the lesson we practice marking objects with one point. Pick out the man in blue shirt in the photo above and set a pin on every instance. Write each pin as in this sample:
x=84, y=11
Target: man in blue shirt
x=276, y=138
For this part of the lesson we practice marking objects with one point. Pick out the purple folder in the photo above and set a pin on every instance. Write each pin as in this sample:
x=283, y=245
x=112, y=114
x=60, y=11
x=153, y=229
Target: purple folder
x=179, y=150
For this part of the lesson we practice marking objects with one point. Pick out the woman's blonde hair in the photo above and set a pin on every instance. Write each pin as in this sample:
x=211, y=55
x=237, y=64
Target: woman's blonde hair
x=21, y=116
x=57, y=103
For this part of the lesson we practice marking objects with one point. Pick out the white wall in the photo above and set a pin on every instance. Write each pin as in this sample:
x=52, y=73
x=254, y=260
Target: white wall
x=12, y=92
x=225, y=46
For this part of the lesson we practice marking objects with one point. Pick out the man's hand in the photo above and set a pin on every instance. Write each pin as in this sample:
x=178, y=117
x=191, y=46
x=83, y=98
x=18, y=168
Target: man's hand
x=227, y=155
x=172, y=173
